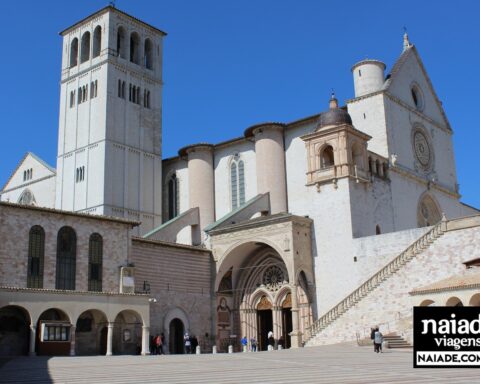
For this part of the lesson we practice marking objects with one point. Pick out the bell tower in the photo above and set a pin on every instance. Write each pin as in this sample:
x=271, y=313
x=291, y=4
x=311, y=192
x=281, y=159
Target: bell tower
x=110, y=126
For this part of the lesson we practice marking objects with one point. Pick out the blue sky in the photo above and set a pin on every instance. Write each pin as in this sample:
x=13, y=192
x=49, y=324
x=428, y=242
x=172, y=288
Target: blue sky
x=231, y=64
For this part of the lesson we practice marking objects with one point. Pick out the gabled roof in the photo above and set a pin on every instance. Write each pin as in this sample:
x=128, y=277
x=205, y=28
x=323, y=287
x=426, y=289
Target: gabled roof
x=412, y=50
x=49, y=167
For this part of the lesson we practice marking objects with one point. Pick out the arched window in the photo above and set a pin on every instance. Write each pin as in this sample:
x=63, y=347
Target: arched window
x=123, y=89
x=173, y=197
x=138, y=95
x=27, y=198
x=85, y=52
x=148, y=54
x=428, y=212
x=121, y=51
x=135, y=48
x=74, y=52
x=97, y=41
x=36, y=253
x=95, y=261
x=237, y=183
x=66, y=259
x=326, y=157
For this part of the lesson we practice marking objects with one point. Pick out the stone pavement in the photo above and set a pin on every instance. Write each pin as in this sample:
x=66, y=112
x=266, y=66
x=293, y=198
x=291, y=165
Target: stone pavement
x=327, y=364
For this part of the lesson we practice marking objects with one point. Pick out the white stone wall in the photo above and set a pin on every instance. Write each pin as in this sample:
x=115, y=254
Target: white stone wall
x=41, y=184
x=222, y=158
x=368, y=115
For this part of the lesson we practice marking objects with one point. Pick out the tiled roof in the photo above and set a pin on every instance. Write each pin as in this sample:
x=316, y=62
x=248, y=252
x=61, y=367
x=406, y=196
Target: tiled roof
x=466, y=281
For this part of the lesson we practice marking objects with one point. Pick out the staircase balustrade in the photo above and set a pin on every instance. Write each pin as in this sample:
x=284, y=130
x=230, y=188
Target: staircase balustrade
x=368, y=286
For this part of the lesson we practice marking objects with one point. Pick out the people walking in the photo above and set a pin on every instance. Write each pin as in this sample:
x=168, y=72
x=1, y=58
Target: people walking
x=372, y=337
x=253, y=344
x=188, y=343
x=244, y=342
x=271, y=341
x=158, y=344
x=378, y=340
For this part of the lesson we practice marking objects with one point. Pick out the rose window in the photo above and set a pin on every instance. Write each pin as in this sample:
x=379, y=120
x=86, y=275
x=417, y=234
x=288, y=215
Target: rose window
x=273, y=278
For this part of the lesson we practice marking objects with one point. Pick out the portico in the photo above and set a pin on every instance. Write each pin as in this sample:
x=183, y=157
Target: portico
x=264, y=274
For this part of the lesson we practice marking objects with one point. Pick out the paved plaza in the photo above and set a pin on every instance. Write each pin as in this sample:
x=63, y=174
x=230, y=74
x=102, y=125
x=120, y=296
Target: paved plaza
x=329, y=364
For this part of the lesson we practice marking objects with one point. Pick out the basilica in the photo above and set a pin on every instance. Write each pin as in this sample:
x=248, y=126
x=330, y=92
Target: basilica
x=314, y=229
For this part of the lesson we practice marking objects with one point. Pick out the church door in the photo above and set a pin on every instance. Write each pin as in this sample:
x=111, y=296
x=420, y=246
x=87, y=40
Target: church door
x=176, y=337
x=287, y=325
x=264, y=325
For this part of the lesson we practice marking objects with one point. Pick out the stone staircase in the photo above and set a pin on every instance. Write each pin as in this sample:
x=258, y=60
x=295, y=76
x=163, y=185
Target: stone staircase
x=378, y=278
x=393, y=341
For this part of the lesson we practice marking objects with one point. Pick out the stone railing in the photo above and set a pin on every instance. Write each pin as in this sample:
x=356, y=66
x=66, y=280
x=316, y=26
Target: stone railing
x=368, y=286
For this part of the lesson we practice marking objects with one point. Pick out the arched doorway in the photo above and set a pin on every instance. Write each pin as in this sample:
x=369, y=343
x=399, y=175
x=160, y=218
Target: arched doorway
x=53, y=333
x=91, y=333
x=264, y=322
x=475, y=300
x=14, y=331
x=287, y=325
x=127, y=333
x=176, y=331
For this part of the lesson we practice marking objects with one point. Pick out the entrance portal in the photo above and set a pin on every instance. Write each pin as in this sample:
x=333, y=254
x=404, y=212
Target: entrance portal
x=264, y=325
x=176, y=337
x=287, y=326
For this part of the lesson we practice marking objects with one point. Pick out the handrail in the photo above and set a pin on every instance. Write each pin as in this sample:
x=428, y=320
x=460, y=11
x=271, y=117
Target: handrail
x=409, y=253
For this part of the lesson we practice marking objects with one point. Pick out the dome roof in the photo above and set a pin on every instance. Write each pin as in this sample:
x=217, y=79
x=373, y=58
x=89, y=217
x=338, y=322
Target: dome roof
x=334, y=116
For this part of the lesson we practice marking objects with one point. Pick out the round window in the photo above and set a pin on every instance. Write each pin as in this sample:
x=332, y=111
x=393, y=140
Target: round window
x=422, y=150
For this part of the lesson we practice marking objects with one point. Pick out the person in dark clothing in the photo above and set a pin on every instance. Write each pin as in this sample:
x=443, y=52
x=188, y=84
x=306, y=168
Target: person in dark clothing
x=194, y=344
x=372, y=337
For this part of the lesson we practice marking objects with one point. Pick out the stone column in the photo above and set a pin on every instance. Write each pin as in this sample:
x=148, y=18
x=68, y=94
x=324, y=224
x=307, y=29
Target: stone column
x=277, y=323
x=201, y=187
x=109, y=339
x=33, y=335
x=72, y=340
x=296, y=335
x=145, y=340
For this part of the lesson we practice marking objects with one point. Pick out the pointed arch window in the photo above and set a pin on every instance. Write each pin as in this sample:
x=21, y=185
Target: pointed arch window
x=36, y=253
x=237, y=182
x=95, y=262
x=173, y=196
x=66, y=259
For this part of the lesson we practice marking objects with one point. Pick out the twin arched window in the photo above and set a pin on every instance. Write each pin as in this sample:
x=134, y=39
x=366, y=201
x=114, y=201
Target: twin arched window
x=36, y=254
x=173, y=197
x=95, y=262
x=66, y=259
x=237, y=183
